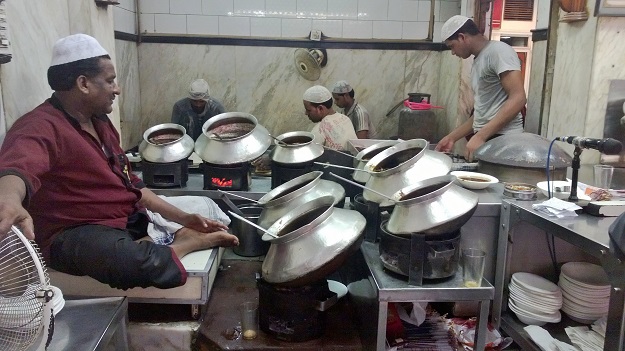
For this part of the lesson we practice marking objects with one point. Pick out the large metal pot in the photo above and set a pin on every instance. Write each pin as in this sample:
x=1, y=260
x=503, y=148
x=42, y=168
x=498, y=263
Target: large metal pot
x=165, y=143
x=522, y=158
x=432, y=206
x=232, y=137
x=313, y=240
x=367, y=154
x=297, y=191
x=402, y=165
x=296, y=148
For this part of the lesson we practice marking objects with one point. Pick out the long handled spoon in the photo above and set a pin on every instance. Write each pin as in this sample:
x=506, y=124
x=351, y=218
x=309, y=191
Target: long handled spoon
x=239, y=196
x=344, y=167
x=230, y=204
x=253, y=224
x=362, y=186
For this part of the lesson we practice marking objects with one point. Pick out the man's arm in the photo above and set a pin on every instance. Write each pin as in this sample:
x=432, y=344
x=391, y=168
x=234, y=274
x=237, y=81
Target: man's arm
x=176, y=115
x=154, y=203
x=447, y=143
x=12, y=194
x=363, y=134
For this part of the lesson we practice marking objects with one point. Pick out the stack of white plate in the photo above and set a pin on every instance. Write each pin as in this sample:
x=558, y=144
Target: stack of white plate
x=585, y=290
x=534, y=299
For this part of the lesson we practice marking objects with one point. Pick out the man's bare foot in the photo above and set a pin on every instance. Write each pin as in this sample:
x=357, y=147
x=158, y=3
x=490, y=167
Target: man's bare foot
x=188, y=240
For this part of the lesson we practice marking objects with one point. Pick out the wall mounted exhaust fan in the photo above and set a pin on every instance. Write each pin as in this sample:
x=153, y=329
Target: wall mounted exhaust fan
x=309, y=62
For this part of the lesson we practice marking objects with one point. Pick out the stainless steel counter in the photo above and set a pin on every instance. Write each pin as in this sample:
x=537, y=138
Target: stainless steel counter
x=590, y=235
x=91, y=325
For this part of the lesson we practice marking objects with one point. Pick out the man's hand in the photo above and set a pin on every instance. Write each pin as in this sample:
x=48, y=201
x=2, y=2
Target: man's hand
x=202, y=224
x=475, y=142
x=11, y=214
x=445, y=144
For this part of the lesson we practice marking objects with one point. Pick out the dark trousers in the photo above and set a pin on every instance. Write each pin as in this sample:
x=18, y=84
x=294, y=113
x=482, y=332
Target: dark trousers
x=112, y=256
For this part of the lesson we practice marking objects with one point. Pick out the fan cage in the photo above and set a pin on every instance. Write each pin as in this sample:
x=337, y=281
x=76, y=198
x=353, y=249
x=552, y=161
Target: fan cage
x=22, y=278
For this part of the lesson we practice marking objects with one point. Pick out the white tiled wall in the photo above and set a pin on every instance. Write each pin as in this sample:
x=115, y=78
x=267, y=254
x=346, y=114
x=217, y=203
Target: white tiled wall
x=351, y=19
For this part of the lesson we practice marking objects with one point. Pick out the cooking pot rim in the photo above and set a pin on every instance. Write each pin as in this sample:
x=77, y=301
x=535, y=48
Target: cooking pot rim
x=292, y=134
x=162, y=126
x=225, y=116
x=448, y=179
x=269, y=199
x=383, y=144
x=401, y=146
x=294, y=214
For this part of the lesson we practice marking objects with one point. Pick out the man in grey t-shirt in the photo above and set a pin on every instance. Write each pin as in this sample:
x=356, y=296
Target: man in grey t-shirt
x=497, y=85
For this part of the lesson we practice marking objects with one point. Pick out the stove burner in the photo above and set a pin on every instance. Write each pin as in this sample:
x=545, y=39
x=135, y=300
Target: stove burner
x=226, y=177
x=374, y=214
x=174, y=174
x=282, y=173
x=291, y=313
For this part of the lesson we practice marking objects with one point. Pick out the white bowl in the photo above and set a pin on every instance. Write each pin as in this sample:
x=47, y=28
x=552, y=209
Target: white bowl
x=536, y=283
x=339, y=288
x=465, y=179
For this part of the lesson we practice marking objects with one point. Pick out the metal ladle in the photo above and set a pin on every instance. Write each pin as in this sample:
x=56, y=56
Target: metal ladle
x=239, y=196
x=230, y=204
x=364, y=187
x=253, y=224
x=344, y=167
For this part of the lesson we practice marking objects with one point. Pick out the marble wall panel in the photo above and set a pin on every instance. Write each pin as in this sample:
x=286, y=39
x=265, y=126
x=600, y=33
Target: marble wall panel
x=33, y=33
x=264, y=82
x=608, y=64
x=166, y=70
x=535, y=93
x=571, y=79
x=127, y=68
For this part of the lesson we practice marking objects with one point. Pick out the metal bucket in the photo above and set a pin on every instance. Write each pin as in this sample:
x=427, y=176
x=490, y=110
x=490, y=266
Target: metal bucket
x=250, y=242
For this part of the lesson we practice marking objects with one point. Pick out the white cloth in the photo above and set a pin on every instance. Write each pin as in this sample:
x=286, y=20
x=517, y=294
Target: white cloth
x=545, y=341
x=334, y=131
x=317, y=94
x=74, y=48
x=555, y=207
x=162, y=230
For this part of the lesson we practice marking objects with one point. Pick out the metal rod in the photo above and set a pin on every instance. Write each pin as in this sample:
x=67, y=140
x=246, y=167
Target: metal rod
x=344, y=167
x=230, y=204
x=362, y=186
x=337, y=151
x=239, y=196
x=280, y=142
x=253, y=224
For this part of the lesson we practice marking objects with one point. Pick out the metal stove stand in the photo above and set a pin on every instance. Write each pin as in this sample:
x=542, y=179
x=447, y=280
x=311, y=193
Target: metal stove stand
x=391, y=289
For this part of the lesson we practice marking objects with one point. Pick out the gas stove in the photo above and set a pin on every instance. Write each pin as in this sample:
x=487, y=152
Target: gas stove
x=227, y=177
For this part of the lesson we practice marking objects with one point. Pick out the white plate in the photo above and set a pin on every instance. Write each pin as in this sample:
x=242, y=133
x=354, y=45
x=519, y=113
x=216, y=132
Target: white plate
x=535, y=283
x=338, y=288
x=586, y=274
x=475, y=185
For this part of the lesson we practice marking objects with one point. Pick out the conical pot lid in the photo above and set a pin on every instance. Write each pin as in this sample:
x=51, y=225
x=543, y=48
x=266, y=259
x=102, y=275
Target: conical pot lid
x=522, y=150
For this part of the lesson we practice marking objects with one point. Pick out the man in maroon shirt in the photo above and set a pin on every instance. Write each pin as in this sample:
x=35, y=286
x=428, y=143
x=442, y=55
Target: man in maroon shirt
x=64, y=177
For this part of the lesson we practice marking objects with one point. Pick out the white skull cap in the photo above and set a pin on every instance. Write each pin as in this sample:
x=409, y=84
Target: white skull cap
x=317, y=94
x=199, y=90
x=341, y=87
x=74, y=48
x=452, y=25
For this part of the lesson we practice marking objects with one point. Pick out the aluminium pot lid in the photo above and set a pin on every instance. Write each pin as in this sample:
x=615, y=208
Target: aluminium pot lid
x=523, y=150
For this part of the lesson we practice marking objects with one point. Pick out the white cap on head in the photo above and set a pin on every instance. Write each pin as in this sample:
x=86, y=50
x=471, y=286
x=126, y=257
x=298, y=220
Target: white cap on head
x=341, y=87
x=74, y=48
x=317, y=94
x=452, y=25
x=199, y=90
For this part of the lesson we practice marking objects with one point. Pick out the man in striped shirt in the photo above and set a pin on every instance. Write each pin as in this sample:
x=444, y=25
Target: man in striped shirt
x=343, y=95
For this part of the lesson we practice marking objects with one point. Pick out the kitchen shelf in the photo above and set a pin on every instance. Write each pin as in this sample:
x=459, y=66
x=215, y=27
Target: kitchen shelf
x=390, y=288
x=586, y=232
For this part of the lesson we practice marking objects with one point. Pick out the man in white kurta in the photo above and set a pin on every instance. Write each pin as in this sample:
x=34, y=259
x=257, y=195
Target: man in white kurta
x=332, y=129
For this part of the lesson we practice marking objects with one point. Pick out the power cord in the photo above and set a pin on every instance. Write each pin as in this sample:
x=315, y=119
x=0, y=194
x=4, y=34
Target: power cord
x=551, y=244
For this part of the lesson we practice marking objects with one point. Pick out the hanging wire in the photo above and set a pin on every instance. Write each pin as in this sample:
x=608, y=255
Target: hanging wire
x=547, y=169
